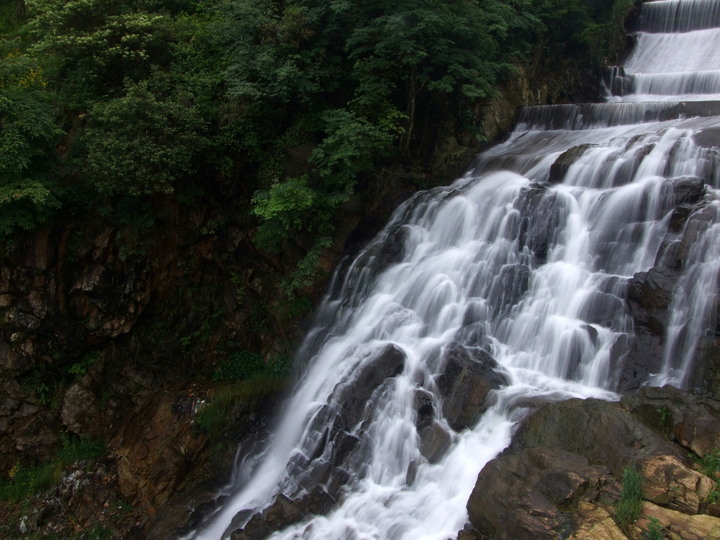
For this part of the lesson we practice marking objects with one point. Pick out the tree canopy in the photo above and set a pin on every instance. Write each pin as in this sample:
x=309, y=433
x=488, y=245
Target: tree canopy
x=290, y=104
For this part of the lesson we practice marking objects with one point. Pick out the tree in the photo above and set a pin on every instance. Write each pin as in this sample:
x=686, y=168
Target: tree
x=29, y=193
x=143, y=142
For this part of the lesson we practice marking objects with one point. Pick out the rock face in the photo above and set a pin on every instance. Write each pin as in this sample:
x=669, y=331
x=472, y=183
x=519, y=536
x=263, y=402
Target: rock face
x=650, y=295
x=465, y=383
x=561, y=475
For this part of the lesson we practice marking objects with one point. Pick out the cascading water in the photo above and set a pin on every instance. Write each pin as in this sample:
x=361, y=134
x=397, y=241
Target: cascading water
x=513, y=285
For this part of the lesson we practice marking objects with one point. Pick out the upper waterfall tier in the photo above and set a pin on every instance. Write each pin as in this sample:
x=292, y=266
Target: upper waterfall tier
x=675, y=57
x=679, y=15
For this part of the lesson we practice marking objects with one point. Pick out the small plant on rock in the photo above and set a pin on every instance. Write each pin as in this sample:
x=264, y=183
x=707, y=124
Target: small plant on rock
x=654, y=530
x=629, y=507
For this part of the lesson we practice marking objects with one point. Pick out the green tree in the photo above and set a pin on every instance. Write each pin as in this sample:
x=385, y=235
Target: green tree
x=29, y=193
x=143, y=142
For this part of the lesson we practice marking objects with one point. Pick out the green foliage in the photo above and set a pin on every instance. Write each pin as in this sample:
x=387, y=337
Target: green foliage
x=710, y=466
x=246, y=364
x=240, y=365
x=95, y=44
x=654, y=530
x=629, y=507
x=28, y=481
x=287, y=203
x=81, y=368
x=142, y=142
x=235, y=401
x=28, y=132
x=352, y=145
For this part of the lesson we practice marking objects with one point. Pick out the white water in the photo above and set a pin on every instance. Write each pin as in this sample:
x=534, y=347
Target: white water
x=535, y=274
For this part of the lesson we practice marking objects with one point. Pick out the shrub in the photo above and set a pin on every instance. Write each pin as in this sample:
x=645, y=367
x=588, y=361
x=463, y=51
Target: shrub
x=629, y=507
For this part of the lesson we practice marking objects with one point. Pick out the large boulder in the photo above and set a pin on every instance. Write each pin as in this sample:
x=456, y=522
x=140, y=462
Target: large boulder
x=465, y=383
x=561, y=475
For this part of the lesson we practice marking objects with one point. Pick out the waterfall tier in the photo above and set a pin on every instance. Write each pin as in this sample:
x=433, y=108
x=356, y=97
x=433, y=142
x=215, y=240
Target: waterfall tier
x=578, y=258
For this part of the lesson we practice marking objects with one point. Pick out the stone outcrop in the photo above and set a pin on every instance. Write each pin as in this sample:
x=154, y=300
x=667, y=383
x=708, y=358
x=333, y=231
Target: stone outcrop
x=561, y=477
x=465, y=382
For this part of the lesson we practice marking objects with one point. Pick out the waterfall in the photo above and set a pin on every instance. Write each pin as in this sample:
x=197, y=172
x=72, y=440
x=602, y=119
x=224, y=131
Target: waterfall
x=521, y=282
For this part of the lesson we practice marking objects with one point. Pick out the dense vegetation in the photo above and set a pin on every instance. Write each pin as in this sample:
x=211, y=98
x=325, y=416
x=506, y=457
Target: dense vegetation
x=289, y=105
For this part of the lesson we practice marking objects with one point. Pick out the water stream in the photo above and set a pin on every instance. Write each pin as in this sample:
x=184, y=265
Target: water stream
x=526, y=260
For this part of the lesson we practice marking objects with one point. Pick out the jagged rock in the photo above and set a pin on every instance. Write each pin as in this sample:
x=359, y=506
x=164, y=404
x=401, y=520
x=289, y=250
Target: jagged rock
x=434, y=441
x=543, y=211
x=283, y=512
x=595, y=523
x=691, y=421
x=508, y=287
x=688, y=189
x=79, y=412
x=154, y=451
x=562, y=164
x=652, y=292
x=520, y=494
x=465, y=382
x=672, y=484
x=560, y=476
x=695, y=527
x=372, y=372
x=603, y=432
x=708, y=137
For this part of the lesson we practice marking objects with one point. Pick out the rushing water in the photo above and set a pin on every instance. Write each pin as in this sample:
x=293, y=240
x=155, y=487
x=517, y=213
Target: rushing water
x=527, y=259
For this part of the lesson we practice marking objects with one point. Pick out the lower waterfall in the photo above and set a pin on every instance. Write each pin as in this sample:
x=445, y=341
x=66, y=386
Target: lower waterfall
x=518, y=283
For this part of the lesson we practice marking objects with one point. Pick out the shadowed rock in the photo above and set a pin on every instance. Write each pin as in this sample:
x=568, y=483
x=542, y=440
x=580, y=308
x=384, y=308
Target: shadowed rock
x=466, y=380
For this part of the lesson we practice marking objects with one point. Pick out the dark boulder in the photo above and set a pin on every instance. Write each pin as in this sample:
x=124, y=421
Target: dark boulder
x=562, y=164
x=284, y=512
x=465, y=382
x=523, y=494
x=603, y=432
x=688, y=189
x=689, y=420
x=560, y=477
x=370, y=374
x=543, y=212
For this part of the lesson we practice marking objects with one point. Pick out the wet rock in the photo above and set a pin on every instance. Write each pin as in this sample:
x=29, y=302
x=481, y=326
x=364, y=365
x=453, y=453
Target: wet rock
x=393, y=247
x=689, y=420
x=595, y=523
x=543, y=212
x=707, y=137
x=636, y=359
x=508, y=287
x=465, y=382
x=560, y=477
x=699, y=221
x=370, y=374
x=653, y=290
x=602, y=432
x=688, y=189
x=424, y=405
x=672, y=484
x=283, y=512
x=154, y=451
x=562, y=164
x=521, y=494
x=434, y=441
